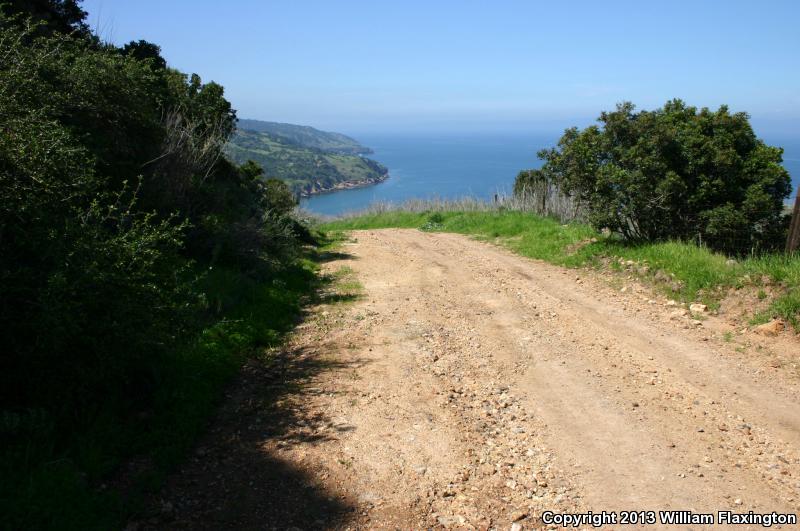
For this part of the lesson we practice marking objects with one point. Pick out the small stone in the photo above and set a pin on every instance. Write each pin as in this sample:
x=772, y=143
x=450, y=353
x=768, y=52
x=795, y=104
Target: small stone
x=772, y=328
x=518, y=515
x=516, y=526
x=678, y=314
x=662, y=276
x=696, y=307
x=737, y=501
x=671, y=302
x=486, y=469
x=448, y=521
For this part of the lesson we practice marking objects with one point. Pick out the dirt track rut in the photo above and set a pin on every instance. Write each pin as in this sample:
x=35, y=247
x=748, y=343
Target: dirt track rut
x=470, y=387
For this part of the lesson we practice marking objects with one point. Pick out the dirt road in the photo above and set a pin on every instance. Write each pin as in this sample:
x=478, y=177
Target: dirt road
x=469, y=387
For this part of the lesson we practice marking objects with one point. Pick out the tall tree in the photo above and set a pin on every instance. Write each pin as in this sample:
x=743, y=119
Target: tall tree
x=62, y=16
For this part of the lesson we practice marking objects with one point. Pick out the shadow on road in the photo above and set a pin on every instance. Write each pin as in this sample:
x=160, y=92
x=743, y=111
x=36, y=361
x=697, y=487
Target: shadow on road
x=236, y=478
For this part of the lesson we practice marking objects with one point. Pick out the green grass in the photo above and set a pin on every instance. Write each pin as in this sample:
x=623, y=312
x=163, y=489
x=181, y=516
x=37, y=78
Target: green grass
x=81, y=479
x=694, y=273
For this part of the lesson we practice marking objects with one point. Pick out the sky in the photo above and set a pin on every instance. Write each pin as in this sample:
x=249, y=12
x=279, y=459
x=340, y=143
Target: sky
x=469, y=66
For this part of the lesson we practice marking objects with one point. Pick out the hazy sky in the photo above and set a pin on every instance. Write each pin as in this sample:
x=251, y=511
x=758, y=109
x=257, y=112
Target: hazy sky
x=461, y=65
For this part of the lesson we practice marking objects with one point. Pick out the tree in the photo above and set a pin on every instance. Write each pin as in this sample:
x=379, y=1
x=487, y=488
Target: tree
x=279, y=197
x=145, y=51
x=61, y=16
x=114, y=196
x=676, y=172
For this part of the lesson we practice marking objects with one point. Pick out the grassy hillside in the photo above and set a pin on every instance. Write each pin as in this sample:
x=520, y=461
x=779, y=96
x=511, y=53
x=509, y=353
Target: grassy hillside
x=305, y=136
x=683, y=271
x=306, y=170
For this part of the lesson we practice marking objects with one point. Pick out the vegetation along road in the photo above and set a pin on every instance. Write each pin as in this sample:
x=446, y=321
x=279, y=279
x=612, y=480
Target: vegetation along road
x=465, y=386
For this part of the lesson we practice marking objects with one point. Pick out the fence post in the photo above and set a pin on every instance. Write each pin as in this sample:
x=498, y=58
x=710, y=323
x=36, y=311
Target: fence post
x=793, y=240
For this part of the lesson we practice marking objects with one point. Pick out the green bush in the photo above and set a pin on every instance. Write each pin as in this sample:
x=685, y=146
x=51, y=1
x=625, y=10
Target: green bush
x=118, y=215
x=674, y=173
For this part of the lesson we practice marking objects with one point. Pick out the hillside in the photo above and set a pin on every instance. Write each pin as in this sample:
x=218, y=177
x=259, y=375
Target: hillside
x=307, y=169
x=305, y=136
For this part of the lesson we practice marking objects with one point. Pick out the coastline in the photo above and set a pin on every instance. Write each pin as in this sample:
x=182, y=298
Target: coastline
x=347, y=185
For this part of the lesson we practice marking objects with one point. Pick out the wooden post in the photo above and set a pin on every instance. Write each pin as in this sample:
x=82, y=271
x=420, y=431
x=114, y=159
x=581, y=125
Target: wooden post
x=793, y=241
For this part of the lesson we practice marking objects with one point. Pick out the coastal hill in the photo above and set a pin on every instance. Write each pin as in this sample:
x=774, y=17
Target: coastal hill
x=306, y=136
x=308, y=160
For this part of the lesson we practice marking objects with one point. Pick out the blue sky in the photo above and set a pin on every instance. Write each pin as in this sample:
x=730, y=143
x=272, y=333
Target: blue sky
x=474, y=66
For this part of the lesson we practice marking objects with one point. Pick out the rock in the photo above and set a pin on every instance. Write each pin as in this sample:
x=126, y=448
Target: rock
x=737, y=501
x=772, y=328
x=678, y=314
x=516, y=516
x=486, y=469
x=696, y=307
x=450, y=521
x=516, y=526
x=671, y=302
x=662, y=276
x=695, y=322
x=368, y=498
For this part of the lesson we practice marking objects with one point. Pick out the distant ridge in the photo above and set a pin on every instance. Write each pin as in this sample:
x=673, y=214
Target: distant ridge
x=307, y=136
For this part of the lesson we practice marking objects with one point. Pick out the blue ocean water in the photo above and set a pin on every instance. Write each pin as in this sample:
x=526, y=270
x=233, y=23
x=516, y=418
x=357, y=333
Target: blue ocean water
x=451, y=167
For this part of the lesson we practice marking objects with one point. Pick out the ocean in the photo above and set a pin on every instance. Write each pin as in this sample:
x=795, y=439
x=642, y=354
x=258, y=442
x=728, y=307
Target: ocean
x=455, y=166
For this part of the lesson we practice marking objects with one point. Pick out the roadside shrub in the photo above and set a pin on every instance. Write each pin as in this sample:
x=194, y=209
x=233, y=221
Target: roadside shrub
x=673, y=173
x=116, y=204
